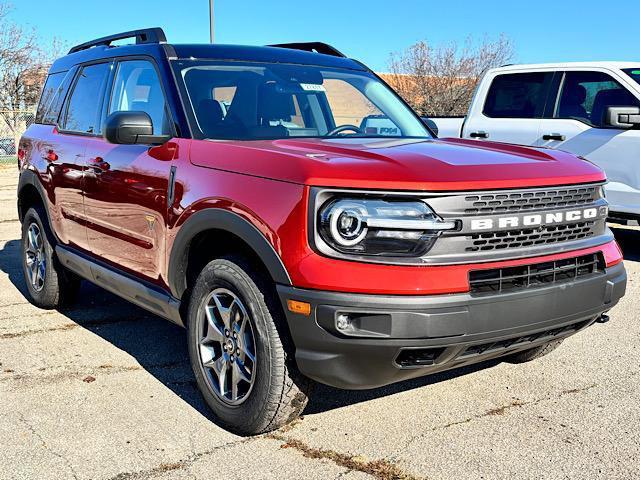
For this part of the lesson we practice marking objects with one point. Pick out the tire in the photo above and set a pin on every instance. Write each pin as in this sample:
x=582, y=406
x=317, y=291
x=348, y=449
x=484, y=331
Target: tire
x=49, y=284
x=269, y=392
x=534, y=353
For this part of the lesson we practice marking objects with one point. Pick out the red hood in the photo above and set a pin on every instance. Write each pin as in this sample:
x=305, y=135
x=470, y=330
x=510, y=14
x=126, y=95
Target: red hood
x=397, y=164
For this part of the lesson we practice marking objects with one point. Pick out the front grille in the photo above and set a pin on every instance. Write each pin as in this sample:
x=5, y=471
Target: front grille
x=508, y=202
x=530, y=237
x=497, y=225
x=536, y=275
x=516, y=342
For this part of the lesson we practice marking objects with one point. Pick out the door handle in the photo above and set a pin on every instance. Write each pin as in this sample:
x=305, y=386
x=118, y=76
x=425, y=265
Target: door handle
x=479, y=134
x=554, y=136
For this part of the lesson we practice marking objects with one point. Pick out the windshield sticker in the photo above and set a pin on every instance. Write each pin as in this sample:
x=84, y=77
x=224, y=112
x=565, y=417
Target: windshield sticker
x=312, y=87
x=635, y=72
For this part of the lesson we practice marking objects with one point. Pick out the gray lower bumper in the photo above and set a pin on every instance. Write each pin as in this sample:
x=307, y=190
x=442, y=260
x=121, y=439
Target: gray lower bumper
x=453, y=329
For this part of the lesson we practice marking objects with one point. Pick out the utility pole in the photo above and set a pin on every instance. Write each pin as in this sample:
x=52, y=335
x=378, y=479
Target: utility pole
x=211, y=21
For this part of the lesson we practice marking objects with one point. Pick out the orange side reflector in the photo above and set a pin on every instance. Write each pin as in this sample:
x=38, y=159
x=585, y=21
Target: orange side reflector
x=302, y=308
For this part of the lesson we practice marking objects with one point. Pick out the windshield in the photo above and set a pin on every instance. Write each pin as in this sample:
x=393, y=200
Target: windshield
x=634, y=73
x=254, y=101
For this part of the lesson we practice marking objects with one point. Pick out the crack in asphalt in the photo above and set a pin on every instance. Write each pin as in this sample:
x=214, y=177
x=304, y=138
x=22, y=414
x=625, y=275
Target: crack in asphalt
x=381, y=469
x=35, y=433
x=501, y=410
x=180, y=464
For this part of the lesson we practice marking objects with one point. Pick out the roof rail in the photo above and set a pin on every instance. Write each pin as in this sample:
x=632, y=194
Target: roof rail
x=317, y=47
x=146, y=35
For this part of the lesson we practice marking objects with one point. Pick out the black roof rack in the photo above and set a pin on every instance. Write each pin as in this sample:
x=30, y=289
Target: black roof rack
x=146, y=35
x=317, y=47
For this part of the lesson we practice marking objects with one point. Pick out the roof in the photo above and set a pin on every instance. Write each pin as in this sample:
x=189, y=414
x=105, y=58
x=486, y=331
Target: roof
x=210, y=52
x=563, y=65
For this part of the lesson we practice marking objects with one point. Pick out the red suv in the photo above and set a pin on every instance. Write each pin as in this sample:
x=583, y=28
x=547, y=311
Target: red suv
x=242, y=192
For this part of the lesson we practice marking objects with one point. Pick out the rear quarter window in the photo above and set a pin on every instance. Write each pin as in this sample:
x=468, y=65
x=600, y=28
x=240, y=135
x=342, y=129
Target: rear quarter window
x=53, y=95
x=518, y=95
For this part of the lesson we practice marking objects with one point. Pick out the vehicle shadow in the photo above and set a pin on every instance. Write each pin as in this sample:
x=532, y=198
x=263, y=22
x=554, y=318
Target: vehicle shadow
x=629, y=241
x=160, y=347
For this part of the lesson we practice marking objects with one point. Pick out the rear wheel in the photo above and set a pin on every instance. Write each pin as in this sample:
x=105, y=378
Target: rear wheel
x=49, y=284
x=237, y=350
x=534, y=353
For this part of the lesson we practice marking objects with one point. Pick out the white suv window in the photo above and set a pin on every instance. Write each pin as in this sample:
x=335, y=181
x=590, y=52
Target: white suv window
x=586, y=96
x=518, y=95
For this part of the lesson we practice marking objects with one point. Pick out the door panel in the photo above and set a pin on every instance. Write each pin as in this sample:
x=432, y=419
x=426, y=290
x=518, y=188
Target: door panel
x=62, y=157
x=126, y=203
x=513, y=130
x=126, y=186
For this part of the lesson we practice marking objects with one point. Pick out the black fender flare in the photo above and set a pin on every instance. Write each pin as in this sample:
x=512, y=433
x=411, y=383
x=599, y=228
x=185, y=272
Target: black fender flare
x=30, y=178
x=219, y=219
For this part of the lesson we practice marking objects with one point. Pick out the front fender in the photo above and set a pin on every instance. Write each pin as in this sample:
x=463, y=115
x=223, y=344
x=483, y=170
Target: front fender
x=219, y=219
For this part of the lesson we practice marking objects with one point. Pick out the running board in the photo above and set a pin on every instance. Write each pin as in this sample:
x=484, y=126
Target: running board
x=136, y=292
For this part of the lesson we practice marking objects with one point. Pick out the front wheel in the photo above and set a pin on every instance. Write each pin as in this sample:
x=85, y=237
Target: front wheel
x=237, y=350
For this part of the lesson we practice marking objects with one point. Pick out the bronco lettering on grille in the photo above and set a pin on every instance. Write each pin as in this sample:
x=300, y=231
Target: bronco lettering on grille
x=534, y=220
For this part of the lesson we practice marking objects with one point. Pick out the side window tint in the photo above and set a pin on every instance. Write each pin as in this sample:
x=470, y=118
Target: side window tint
x=85, y=104
x=48, y=98
x=587, y=95
x=519, y=95
x=137, y=88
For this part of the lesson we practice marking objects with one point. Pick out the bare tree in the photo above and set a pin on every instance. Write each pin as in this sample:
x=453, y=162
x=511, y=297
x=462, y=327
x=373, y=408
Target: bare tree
x=23, y=68
x=441, y=80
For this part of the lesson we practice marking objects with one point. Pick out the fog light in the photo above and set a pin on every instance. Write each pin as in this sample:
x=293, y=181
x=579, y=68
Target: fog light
x=343, y=322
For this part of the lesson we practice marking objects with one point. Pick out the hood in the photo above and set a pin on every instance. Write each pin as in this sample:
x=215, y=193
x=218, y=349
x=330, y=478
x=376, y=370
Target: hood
x=397, y=164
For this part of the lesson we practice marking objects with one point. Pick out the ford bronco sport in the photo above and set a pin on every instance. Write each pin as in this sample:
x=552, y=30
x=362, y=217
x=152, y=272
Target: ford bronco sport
x=235, y=190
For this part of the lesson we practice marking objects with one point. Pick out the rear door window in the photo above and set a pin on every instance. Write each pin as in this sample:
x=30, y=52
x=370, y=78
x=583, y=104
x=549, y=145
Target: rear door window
x=518, y=95
x=586, y=96
x=85, y=105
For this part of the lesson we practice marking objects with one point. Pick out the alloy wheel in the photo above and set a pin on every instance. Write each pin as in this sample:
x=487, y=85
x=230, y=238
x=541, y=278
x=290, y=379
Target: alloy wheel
x=227, y=346
x=35, y=258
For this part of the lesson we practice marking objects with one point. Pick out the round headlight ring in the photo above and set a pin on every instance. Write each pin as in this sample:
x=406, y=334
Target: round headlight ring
x=347, y=226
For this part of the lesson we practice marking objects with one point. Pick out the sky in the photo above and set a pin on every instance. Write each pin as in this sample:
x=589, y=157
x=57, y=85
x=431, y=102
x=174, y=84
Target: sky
x=368, y=30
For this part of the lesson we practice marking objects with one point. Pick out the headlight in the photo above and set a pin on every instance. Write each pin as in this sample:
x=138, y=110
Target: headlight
x=381, y=227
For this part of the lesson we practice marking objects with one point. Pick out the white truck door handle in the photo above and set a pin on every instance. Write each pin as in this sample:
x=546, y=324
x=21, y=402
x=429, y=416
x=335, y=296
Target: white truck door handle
x=554, y=136
x=479, y=134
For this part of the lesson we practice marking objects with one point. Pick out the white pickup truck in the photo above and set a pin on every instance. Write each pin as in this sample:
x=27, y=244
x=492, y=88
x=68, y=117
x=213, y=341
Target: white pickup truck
x=589, y=109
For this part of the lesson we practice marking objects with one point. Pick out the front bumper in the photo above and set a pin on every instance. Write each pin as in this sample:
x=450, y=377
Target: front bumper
x=395, y=338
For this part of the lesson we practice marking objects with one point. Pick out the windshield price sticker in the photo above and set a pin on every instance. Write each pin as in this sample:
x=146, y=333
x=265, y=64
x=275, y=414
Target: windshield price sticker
x=312, y=87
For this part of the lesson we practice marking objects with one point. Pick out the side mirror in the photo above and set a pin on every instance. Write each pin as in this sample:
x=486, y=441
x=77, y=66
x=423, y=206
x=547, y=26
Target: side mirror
x=623, y=117
x=131, y=128
x=431, y=124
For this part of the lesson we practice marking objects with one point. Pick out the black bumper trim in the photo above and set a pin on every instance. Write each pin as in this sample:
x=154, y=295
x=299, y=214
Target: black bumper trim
x=385, y=325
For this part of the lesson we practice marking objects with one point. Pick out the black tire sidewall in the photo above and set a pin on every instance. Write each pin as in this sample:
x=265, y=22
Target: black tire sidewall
x=250, y=415
x=48, y=295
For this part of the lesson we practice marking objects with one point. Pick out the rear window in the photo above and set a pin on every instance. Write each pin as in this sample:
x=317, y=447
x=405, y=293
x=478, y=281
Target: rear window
x=52, y=98
x=519, y=95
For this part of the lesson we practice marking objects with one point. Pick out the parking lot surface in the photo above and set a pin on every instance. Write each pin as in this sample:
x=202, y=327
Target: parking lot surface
x=103, y=390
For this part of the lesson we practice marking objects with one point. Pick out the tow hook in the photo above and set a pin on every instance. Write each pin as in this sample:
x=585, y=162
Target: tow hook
x=604, y=318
